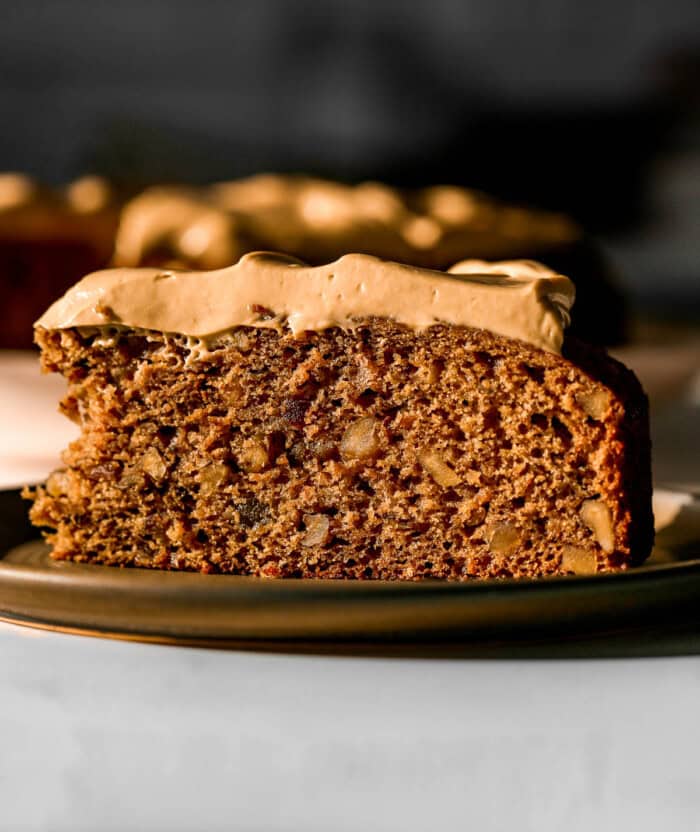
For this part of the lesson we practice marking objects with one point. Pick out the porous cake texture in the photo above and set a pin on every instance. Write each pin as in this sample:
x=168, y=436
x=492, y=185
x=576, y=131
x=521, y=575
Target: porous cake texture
x=376, y=451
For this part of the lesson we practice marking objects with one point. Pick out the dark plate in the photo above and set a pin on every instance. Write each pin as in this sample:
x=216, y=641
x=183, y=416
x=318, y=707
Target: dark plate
x=479, y=618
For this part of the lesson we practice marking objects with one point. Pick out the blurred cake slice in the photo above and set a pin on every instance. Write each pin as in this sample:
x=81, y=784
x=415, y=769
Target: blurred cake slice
x=48, y=239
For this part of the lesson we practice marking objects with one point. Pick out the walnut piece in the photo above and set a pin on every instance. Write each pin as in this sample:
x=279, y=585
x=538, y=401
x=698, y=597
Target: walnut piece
x=57, y=484
x=578, y=560
x=317, y=530
x=255, y=455
x=502, y=538
x=360, y=439
x=594, y=403
x=241, y=340
x=234, y=391
x=472, y=513
x=596, y=515
x=438, y=469
x=212, y=477
x=132, y=478
x=152, y=464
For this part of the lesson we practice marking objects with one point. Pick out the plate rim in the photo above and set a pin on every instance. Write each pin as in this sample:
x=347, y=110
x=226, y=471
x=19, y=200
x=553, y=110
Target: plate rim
x=97, y=600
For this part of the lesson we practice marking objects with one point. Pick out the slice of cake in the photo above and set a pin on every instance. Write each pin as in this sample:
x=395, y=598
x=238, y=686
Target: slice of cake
x=362, y=419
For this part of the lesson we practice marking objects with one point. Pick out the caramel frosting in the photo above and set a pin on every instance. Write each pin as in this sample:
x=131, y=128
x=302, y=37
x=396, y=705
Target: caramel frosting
x=515, y=268
x=181, y=222
x=90, y=194
x=16, y=191
x=520, y=300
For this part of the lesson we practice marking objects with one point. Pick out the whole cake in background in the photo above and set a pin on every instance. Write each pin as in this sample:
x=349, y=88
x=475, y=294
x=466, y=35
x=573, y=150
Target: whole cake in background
x=319, y=220
x=362, y=419
x=48, y=239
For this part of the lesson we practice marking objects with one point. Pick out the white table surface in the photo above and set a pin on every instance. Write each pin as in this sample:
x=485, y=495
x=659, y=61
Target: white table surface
x=110, y=735
x=107, y=735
